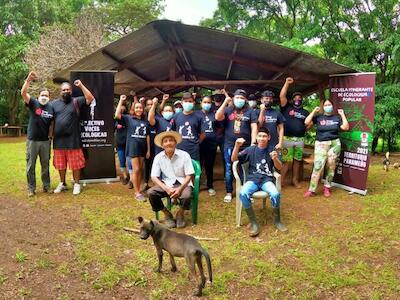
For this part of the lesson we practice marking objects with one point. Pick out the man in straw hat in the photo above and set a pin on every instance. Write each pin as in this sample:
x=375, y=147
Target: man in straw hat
x=172, y=175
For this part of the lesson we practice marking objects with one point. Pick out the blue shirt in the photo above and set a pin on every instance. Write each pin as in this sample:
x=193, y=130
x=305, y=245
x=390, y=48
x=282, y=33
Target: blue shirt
x=189, y=127
x=294, y=125
x=272, y=118
x=238, y=125
x=208, y=125
x=261, y=166
x=137, y=132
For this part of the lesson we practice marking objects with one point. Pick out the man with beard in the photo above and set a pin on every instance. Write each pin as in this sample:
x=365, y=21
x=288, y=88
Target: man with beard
x=38, y=143
x=67, y=135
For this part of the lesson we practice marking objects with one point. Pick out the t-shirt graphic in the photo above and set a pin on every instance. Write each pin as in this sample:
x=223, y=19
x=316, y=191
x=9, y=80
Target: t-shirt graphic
x=186, y=131
x=262, y=168
x=140, y=131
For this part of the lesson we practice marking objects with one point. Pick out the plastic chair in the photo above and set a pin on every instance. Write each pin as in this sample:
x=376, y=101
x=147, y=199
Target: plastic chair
x=257, y=195
x=196, y=191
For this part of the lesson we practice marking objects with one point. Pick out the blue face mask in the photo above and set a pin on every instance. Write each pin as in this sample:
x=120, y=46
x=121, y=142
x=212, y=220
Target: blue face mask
x=328, y=109
x=187, y=106
x=206, y=106
x=167, y=115
x=239, y=103
x=178, y=110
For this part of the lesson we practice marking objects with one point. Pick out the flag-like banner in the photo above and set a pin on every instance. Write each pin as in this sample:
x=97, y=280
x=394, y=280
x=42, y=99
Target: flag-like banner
x=355, y=94
x=97, y=125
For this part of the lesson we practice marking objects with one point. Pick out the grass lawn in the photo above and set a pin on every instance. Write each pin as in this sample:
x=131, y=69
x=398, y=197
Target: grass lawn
x=66, y=247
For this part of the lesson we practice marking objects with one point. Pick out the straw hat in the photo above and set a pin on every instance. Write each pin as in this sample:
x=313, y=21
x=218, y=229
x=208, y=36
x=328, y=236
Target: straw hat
x=159, y=137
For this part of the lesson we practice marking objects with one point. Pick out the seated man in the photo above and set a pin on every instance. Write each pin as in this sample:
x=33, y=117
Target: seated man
x=262, y=161
x=172, y=175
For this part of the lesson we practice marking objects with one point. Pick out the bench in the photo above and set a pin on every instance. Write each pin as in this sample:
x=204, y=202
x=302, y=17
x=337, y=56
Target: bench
x=4, y=130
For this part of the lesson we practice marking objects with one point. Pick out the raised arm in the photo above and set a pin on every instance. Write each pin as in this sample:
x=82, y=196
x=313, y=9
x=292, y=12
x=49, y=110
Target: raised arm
x=88, y=94
x=238, y=143
x=281, y=133
x=282, y=96
x=276, y=160
x=152, y=112
x=261, y=116
x=308, y=121
x=219, y=115
x=164, y=100
x=345, y=124
x=24, y=90
x=122, y=99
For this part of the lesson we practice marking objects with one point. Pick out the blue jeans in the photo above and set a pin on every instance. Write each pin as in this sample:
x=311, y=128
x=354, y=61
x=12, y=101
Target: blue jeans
x=121, y=158
x=250, y=187
x=228, y=170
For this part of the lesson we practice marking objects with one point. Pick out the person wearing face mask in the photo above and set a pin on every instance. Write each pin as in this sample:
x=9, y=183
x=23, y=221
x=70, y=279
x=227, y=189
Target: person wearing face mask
x=161, y=122
x=327, y=144
x=148, y=103
x=67, y=134
x=38, y=143
x=240, y=122
x=219, y=126
x=252, y=102
x=177, y=107
x=208, y=147
x=295, y=130
x=120, y=142
x=271, y=119
x=188, y=125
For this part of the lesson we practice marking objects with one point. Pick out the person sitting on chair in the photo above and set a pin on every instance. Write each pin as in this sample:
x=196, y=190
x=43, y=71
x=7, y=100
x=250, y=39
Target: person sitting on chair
x=262, y=161
x=172, y=175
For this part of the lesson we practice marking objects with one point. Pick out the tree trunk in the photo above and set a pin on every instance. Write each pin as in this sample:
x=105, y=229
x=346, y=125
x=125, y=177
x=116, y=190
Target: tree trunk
x=389, y=142
x=374, y=144
x=12, y=108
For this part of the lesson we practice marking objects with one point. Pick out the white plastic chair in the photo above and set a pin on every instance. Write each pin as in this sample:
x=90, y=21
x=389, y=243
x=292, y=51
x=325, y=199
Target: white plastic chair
x=257, y=195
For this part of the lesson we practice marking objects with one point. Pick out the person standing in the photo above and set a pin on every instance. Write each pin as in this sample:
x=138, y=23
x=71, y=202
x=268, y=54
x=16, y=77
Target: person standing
x=38, y=143
x=327, y=144
x=208, y=147
x=240, y=122
x=67, y=134
x=295, y=130
x=120, y=140
x=137, y=142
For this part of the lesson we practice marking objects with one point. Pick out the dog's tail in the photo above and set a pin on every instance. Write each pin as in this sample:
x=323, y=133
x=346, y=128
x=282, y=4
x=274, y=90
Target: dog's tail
x=207, y=257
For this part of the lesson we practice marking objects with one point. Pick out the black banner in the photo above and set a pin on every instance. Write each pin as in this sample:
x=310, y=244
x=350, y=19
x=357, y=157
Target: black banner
x=97, y=125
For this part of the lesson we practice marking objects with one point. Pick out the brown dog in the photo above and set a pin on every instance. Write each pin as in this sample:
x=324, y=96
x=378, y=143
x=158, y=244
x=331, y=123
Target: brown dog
x=179, y=245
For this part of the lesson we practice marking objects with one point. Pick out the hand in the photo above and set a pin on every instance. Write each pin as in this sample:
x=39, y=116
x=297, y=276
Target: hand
x=227, y=100
x=240, y=141
x=170, y=191
x=155, y=101
x=194, y=95
x=278, y=146
x=340, y=111
x=122, y=98
x=274, y=155
x=78, y=83
x=262, y=106
x=165, y=97
x=147, y=154
x=31, y=76
x=176, y=193
x=317, y=109
x=289, y=80
x=132, y=93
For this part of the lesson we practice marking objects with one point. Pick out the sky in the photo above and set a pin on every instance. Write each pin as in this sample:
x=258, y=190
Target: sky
x=190, y=12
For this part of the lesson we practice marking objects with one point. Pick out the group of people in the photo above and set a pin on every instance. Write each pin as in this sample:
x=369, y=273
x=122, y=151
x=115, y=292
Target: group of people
x=159, y=141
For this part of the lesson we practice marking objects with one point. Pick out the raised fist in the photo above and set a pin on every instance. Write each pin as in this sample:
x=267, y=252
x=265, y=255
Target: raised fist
x=262, y=106
x=274, y=155
x=165, y=97
x=155, y=100
x=240, y=141
x=317, y=109
x=132, y=93
x=122, y=98
x=340, y=111
x=289, y=80
x=77, y=83
x=32, y=76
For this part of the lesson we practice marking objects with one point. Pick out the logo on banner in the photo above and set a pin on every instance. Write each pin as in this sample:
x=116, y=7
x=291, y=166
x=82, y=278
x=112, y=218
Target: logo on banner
x=92, y=109
x=364, y=139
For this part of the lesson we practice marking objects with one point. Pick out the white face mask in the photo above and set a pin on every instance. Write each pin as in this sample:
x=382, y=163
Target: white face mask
x=252, y=103
x=43, y=100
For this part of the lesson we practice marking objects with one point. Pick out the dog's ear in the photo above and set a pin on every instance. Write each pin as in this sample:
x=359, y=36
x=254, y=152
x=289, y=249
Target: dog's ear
x=140, y=219
x=152, y=224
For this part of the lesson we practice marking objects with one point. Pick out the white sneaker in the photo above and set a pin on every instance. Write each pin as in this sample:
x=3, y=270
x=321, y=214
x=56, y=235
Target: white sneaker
x=228, y=198
x=60, y=187
x=77, y=189
x=211, y=192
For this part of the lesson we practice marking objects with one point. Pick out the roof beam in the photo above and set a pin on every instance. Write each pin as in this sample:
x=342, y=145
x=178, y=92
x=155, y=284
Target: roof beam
x=298, y=58
x=203, y=83
x=130, y=69
x=234, y=49
x=249, y=62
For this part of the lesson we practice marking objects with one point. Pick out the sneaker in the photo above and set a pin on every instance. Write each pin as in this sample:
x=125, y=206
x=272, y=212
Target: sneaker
x=140, y=197
x=31, y=193
x=60, y=187
x=327, y=191
x=211, y=192
x=228, y=198
x=130, y=185
x=77, y=189
x=47, y=190
x=309, y=194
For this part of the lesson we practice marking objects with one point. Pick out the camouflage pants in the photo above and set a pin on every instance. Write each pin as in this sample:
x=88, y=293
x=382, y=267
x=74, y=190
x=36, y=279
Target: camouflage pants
x=324, y=151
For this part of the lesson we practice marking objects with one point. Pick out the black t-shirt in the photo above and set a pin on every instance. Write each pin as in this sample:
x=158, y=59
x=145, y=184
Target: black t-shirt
x=219, y=126
x=120, y=133
x=327, y=127
x=162, y=125
x=189, y=127
x=208, y=125
x=294, y=125
x=238, y=125
x=261, y=166
x=67, y=130
x=272, y=118
x=40, y=117
x=137, y=132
